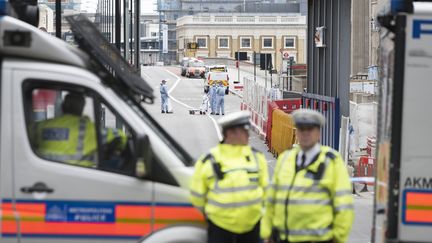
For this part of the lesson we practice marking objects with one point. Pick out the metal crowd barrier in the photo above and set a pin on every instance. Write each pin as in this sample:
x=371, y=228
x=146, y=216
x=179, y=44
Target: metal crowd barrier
x=330, y=108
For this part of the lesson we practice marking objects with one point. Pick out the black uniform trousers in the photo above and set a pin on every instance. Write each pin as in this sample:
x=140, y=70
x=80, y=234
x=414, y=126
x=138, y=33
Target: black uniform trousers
x=219, y=235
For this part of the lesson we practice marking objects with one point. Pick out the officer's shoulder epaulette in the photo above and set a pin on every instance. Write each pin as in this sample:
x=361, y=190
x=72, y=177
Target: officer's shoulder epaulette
x=255, y=150
x=207, y=158
x=331, y=155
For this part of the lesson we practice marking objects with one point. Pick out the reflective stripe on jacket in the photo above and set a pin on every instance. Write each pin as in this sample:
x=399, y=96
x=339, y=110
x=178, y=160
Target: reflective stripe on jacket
x=72, y=139
x=312, y=204
x=234, y=202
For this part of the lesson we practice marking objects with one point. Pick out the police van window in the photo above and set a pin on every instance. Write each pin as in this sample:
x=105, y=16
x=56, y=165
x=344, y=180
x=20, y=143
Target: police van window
x=62, y=126
x=116, y=141
x=77, y=128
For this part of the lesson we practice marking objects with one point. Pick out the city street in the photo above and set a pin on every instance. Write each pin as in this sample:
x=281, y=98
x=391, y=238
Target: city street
x=198, y=133
x=334, y=89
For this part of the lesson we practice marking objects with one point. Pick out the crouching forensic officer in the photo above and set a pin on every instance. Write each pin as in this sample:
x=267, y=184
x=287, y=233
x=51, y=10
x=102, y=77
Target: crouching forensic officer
x=310, y=198
x=229, y=184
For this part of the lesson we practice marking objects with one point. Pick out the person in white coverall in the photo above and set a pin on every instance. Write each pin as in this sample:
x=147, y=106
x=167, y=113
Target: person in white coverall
x=164, y=96
x=212, y=95
x=220, y=94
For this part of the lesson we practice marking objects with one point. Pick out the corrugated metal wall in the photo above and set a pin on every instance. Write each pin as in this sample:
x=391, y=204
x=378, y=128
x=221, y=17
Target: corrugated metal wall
x=329, y=67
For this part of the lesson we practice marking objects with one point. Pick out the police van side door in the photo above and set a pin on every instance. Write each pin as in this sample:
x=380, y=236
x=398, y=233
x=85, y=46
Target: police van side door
x=8, y=222
x=62, y=202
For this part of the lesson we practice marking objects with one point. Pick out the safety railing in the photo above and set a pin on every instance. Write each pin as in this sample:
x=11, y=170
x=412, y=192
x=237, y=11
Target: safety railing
x=255, y=96
x=330, y=108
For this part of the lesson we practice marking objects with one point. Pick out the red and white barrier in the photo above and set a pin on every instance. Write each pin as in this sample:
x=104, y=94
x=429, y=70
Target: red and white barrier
x=259, y=122
x=255, y=100
x=238, y=87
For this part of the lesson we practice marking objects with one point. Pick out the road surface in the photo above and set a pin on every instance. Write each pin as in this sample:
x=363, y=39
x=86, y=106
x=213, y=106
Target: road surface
x=198, y=133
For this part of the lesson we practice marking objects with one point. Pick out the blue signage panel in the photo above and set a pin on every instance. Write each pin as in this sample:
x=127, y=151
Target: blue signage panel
x=397, y=6
x=80, y=212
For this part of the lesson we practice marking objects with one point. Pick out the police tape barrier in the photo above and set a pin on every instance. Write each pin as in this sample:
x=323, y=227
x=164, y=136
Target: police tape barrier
x=369, y=180
x=362, y=184
x=282, y=132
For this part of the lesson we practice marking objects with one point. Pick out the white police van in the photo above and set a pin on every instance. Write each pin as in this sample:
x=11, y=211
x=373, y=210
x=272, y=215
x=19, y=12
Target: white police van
x=46, y=200
x=403, y=193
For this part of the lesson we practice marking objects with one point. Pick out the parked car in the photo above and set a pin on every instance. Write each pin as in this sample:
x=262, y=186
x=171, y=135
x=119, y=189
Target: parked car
x=215, y=77
x=184, y=64
x=195, y=68
x=222, y=68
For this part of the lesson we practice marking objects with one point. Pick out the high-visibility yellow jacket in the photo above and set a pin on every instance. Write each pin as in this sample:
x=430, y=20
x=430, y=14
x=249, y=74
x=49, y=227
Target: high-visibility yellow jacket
x=236, y=201
x=72, y=139
x=312, y=204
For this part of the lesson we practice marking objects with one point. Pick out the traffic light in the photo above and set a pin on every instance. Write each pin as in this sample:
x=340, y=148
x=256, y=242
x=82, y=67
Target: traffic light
x=266, y=61
x=242, y=56
x=192, y=45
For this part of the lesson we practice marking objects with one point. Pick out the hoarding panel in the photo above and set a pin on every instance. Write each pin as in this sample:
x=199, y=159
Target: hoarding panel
x=416, y=152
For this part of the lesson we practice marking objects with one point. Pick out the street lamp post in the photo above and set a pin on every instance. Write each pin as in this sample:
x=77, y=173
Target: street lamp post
x=58, y=18
x=160, y=30
x=137, y=36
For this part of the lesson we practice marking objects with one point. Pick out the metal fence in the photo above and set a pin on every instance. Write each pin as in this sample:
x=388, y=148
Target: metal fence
x=255, y=96
x=330, y=108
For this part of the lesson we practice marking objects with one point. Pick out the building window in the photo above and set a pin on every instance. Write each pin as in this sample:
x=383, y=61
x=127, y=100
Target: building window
x=245, y=42
x=289, y=42
x=202, y=42
x=267, y=42
x=223, y=42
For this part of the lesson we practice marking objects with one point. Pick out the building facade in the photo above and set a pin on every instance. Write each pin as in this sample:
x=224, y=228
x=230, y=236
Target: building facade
x=191, y=7
x=365, y=39
x=222, y=35
x=329, y=51
x=360, y=34
x=46, y=18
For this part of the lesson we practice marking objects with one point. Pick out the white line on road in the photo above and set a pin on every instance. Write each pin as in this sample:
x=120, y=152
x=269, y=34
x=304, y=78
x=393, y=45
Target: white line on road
x=177, y=81
x=217, y=127
x=146, y=75
x=219, y=134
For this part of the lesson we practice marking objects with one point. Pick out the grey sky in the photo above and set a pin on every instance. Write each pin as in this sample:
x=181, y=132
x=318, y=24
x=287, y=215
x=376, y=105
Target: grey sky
x=147, y=6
